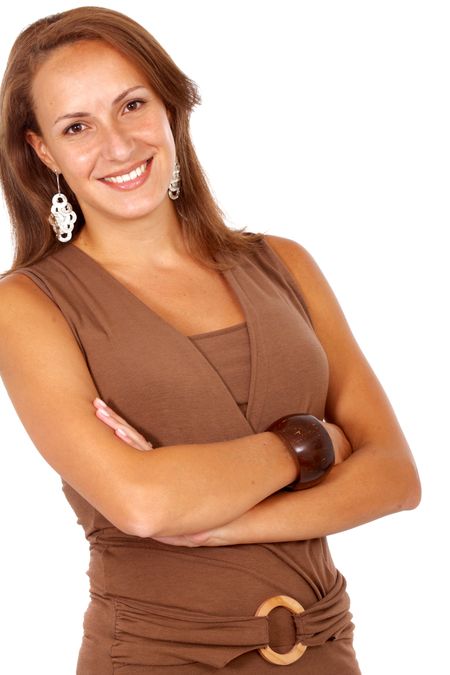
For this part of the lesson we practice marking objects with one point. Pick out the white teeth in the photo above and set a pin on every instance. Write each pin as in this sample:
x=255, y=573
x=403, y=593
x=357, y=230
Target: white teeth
x=127, y=176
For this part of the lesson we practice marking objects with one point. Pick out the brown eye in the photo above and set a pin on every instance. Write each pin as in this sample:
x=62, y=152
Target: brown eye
x=73, y=126
x=131, y=103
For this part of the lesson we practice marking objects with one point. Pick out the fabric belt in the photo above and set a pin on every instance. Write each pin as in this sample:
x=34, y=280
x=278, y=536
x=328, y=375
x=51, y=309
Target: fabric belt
x=148, y=634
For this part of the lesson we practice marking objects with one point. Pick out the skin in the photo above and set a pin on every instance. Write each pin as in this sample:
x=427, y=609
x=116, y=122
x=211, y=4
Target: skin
x=133, y=231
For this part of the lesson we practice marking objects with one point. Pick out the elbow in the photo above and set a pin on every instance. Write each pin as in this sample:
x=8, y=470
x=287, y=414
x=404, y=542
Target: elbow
x=411, y=493
x=414, y=494
x=400, y=480
x=145, y=513
x=139, y=529
x=138, y=525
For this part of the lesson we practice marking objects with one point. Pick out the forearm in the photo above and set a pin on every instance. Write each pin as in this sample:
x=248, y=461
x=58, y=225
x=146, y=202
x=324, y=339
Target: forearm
x=368, y=485
x=183, y=489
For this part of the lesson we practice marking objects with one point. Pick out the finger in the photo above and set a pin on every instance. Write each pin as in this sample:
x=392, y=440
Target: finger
x=131, y=435
x=136, y=441
x=126, y=439
x=105, y=417
x=101, y=405
x=111, y=421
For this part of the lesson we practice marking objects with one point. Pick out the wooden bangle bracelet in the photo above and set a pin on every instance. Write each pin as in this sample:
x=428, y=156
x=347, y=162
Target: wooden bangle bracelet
x=311, y=445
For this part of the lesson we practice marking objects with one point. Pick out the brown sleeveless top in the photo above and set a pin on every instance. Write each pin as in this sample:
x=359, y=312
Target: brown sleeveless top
x=178, y=609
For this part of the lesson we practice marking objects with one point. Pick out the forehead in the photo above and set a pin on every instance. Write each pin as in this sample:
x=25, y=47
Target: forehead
x=83, y=66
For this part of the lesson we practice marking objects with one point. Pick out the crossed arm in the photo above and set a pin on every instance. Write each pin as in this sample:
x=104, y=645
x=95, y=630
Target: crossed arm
x=231, y=490
x=372, y=482
x=379, y=477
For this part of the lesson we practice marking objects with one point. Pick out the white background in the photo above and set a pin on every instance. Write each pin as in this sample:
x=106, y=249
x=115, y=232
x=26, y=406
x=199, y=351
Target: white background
x=328, y=123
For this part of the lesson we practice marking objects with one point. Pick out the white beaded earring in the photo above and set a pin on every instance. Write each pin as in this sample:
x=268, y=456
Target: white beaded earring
x=62, y=216
x=174, y=185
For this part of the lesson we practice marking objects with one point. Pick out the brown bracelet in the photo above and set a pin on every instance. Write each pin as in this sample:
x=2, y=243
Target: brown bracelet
x=310, y=443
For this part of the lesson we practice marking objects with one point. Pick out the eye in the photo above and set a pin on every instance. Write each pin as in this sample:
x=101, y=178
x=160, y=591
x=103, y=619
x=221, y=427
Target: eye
x=67, y=131
x=132, y=103
x=75, y=129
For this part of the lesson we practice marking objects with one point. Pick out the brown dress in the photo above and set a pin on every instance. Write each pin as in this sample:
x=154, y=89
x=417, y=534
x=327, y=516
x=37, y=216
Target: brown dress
x=158, y=608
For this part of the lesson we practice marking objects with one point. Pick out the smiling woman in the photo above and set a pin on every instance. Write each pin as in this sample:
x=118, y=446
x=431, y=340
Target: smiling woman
x=197, y=365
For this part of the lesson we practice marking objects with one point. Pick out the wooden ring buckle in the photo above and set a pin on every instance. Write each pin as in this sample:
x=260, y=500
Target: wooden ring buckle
x=298, y=649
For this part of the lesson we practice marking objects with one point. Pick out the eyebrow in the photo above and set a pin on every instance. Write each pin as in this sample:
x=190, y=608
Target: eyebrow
x=86, y=114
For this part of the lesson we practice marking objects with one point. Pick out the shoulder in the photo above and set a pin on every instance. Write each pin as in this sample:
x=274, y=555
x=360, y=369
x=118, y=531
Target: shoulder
x=29, y=280
x=291, y=252
x=327, y=316
x=308, y=276
x=18, y=290
x=16, y=287
x=25, y=311
x=283, y=243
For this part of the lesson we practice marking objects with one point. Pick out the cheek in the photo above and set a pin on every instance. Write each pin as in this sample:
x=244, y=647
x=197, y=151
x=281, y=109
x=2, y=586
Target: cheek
x=78, y=164
x=158, y=130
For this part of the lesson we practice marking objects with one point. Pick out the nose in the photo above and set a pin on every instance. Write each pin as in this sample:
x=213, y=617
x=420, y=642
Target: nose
x=117, y=142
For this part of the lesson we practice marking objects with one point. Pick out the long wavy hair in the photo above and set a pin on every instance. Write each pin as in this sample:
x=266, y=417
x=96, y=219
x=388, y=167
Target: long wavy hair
x=28, y=185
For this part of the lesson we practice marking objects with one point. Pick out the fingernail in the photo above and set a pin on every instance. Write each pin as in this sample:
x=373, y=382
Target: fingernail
x=103, y=412
x=99, y=400
x=122, y=432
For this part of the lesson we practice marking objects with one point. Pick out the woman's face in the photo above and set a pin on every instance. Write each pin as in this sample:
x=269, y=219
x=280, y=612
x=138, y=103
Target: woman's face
x=100, y=119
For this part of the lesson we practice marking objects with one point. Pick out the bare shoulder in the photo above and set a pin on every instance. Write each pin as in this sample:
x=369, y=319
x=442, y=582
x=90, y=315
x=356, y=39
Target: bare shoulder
x=19, y=287
x=25, y=309
x=312, y=283
x=289, y=249
x=15, y=283
x=295, y=256
x=329, y=321
x=18, y=295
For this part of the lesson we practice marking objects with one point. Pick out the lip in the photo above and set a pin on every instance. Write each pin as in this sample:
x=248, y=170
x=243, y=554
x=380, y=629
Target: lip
x=131, y=184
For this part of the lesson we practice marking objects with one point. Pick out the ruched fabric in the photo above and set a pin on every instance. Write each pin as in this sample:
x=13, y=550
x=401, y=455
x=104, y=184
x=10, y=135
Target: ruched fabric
x=155, y=635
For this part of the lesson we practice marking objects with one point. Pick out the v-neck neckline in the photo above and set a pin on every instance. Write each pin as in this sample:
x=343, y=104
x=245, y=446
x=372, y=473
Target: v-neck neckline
x=251, y=321
x=149, y=309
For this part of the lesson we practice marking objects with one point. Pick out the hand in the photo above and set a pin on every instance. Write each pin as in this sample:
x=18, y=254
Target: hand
x=341, y=444
x=122, y=429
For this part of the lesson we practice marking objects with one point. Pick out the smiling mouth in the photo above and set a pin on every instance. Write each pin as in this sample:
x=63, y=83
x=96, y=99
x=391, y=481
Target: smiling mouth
x=127, y=177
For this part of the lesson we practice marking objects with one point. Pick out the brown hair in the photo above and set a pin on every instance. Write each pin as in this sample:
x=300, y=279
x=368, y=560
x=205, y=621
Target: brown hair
x=29, y=186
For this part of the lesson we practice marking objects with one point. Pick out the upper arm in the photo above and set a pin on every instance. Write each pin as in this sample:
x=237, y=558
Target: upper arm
x=50, y=386
x=356, y=400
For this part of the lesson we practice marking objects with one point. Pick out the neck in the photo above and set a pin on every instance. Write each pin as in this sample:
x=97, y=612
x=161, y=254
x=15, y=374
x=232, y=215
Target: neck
x=155, y=240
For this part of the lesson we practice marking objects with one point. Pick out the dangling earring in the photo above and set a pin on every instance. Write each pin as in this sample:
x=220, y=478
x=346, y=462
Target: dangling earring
x=174, y=185
x=62, y=217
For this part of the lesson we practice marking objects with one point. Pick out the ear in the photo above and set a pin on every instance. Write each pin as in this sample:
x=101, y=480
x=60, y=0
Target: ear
x=38, y=145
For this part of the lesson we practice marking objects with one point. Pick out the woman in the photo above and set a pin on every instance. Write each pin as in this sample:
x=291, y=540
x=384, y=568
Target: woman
x=199, y=338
